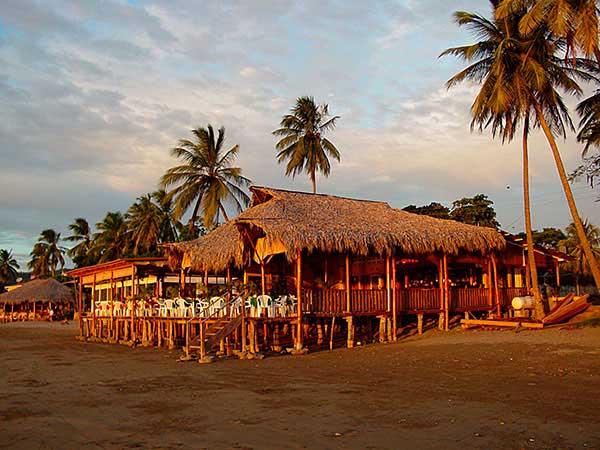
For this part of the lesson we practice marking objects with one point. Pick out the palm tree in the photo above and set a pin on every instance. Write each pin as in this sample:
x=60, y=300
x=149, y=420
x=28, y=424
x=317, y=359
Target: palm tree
x=8, y=266
x=82, y=235
x=303, y=144
x=206, y=179
x=168, y=226
x=521, y=76
x=47, y=254
x=574, y=20
x=144, y=220
x=111, y=241
x=589, y=134
x=502, y=63
x=572, y=245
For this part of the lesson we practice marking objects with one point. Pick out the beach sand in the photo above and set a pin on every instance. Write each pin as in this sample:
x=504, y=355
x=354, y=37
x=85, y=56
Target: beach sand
x=461, y=389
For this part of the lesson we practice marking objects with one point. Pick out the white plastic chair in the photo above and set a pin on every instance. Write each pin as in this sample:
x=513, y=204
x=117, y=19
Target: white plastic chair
x=265, y=301
x=184, y=308
x=170, y=308
x=216, y=306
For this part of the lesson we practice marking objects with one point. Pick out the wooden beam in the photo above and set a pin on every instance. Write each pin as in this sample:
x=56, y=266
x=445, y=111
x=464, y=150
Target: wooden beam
x=496, y=290
x=501, y=323
x=299, y=300
x=394, y=299
x=348, y=287
x=446, y=294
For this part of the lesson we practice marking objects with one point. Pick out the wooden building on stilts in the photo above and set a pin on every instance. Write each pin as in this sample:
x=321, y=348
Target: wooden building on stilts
x=305, y=270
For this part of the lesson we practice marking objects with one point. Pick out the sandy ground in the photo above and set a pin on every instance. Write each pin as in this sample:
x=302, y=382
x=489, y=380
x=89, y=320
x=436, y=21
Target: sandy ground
x=455, y=390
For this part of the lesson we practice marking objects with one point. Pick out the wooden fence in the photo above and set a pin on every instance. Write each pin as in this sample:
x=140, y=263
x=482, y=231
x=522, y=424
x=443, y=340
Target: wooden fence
x=467, y=299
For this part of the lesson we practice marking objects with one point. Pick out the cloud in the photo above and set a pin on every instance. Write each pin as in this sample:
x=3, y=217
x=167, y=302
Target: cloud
x=93, y=95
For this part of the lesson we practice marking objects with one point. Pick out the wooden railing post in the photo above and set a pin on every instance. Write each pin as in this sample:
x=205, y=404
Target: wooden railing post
x=394, y=299
x=348, y=287
x=446, y=295
x=299, y=300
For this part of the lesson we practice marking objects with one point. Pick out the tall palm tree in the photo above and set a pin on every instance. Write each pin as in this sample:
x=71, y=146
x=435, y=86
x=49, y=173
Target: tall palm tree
x=574, y=20
x=206, y=178
x=8, y=266
x=168, y=226
x=522, y=74
x=589, y=135
x=572, y=245
x=302, y=144
x=81, y=233
x=144, y=220
x=47, y=254
x=112, y=239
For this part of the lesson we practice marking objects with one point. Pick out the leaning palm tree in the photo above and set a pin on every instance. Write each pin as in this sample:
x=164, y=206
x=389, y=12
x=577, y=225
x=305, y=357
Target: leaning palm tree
x=112, y=239
x=503, y=64
x=541, y=73
x=144, y=220
x=206, y=178
x=81, y=234
x=302, y=144
x=8, y=266
x=572, y=245
x=47, y=254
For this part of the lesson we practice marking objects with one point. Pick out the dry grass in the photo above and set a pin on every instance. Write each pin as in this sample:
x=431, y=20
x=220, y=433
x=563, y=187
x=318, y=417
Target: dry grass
x=326, y=223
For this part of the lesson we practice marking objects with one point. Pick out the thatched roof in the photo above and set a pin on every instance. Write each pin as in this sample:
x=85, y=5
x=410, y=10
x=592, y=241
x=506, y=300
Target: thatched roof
x=46, y=290
x=327, y=223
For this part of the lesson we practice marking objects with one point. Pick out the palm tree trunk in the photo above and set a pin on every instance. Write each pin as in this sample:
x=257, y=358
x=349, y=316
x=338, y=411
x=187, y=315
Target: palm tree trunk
x=313, y=180
x=192, y=221
x=570, y=199
x=223, y=212
x=535, y=287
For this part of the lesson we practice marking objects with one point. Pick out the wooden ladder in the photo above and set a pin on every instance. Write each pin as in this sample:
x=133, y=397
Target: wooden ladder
x=215, y=332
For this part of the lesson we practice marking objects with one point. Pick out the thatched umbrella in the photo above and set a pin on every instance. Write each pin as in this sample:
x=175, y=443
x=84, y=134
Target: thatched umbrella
x=300, y=222
x=39, y=291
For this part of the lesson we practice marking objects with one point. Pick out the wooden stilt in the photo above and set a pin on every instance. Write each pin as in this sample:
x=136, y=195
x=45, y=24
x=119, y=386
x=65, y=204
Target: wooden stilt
x=420, y=323
x=331, y=335
x=298, y=339
x=350, y=340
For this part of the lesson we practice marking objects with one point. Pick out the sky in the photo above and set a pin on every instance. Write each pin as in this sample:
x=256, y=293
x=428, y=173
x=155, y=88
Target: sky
x=94, y=94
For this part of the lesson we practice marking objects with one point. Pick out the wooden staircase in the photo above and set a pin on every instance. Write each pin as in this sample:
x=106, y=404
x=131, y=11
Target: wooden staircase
x=215, y=332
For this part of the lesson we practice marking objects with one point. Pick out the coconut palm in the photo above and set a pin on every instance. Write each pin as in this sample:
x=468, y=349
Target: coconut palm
x=168, y=226
x=206, y=178
x=144, y=220
x=521, y=76
x=302, y=144
x=82, y=235
x=572, y=245
x=47, y=254
x=8, y=266
x=589, y=135
x=574, y=20
x=112, y=239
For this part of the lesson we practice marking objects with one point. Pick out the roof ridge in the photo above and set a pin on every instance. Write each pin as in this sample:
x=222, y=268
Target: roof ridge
x=267, y=188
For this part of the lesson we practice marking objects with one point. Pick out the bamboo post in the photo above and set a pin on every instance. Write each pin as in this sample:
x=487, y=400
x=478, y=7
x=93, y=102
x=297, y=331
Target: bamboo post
x=348, y=287
x=557, y=270
x=394, y=299
x=496, y=291
x=446, y=294
x=299, y=300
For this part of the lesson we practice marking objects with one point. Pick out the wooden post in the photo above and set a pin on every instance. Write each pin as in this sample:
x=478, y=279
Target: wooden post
x=80, y=306
x=420, y=323
x=350, y=341
x=446, y=294
x=394, y=299
x=299, y=299
x=228, y=276
x=331, y=335
x=496, y=291
x=181, y=282
x=557, y=270
x=262, y=277
x=134, y=293
x=490, y=284
x=94, y=306
x=348, y=287
x=442, y=316
x=388, y=293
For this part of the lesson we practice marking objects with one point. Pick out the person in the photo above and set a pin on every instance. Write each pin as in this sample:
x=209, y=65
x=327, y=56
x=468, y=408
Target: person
x=51, y=314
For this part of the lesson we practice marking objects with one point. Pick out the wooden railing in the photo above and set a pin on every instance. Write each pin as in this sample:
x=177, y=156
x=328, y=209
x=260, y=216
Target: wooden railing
x=368, y=300
x=417, y=299
x=507, y=294
x=334, y=301
x=323, y=300
x=470, y=298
